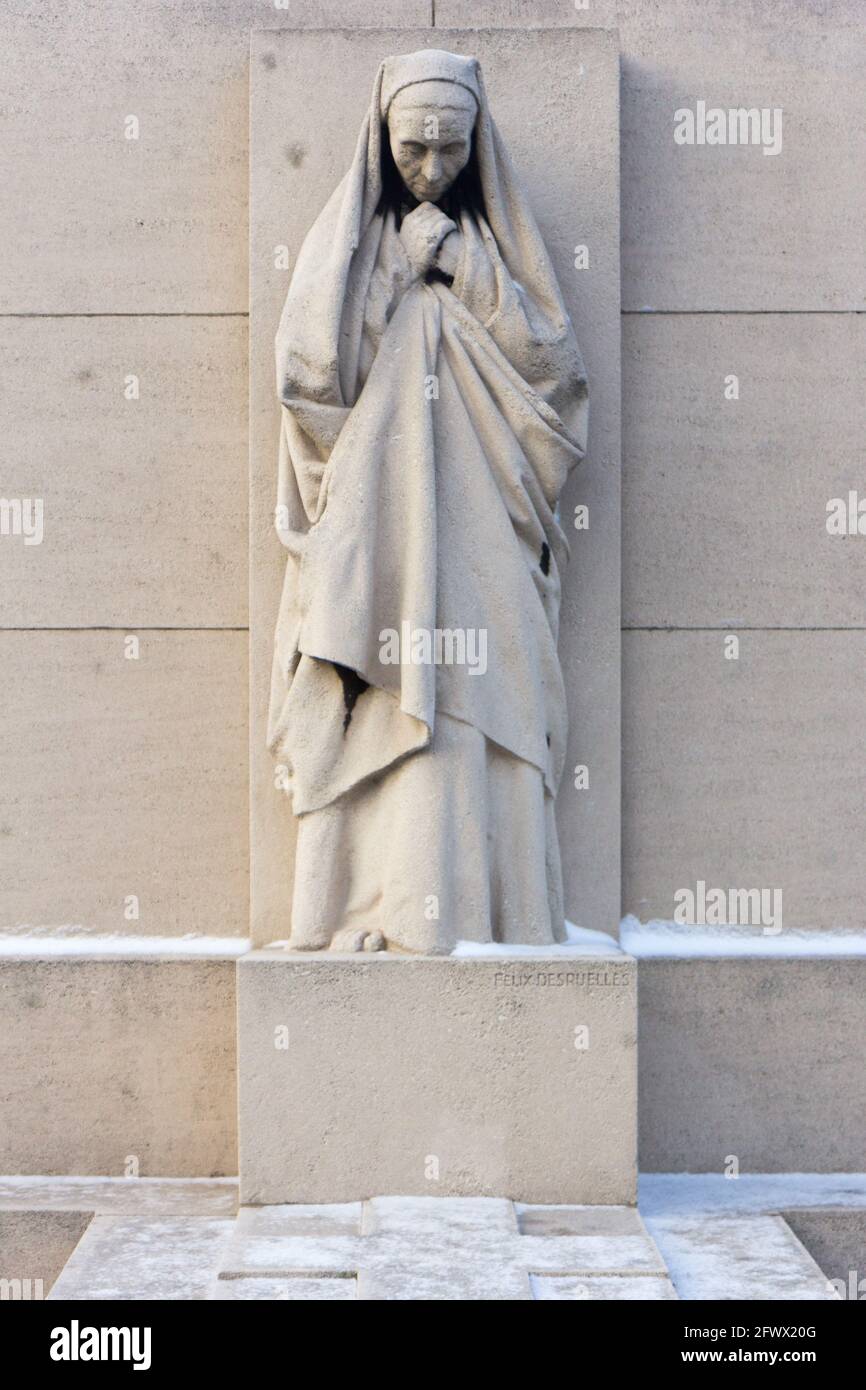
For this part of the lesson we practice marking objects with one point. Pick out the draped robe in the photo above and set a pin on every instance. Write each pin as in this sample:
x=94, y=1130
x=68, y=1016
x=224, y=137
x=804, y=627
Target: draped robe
x=427, y=432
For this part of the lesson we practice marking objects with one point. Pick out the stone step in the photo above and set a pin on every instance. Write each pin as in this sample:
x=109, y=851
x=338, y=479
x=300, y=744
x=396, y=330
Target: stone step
x=437, y=1248
x=122, y=1257
x=750, y=1257
x=704, y=1239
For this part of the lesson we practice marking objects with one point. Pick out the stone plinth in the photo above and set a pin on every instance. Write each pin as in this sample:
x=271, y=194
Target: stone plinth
x=508, y=1076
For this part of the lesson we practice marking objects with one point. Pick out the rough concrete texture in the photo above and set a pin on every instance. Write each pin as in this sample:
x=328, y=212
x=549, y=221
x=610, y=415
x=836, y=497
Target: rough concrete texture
x=35, y=1245
x=596, y=1288
x=118, y=1067
x=159, y=223
x=165, y=1239
x=294, y=1290
x=128, y=1258
x=750, y=1258
x=758, y=1060
x=96, y=221
x=144, y=507
x=302, y=143
x=836, y=1240
x=434, y=1248
x=725, y=501
x=597, y=14
x=155, y=1197
x=725, y=226
x=436, y=1076
x=741, y=773
x=123, y=779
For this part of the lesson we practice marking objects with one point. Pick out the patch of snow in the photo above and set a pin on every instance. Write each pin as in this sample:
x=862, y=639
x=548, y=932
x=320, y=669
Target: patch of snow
x=670, y=939
x=580, y=941
x=78, y=945
x=670, y=1194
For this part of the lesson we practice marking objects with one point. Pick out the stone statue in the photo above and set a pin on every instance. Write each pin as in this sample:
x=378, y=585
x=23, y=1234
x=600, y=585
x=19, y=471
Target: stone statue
x=434, y=402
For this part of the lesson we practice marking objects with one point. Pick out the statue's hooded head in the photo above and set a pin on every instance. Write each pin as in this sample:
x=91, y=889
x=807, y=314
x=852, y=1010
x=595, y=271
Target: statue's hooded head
x=429, y=105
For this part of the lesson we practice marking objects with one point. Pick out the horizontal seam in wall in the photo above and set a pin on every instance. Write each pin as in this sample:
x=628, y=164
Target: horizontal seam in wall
x=244, y=314
x=738, y=627
x=129, y=627
x=649, y=627
x=133, y=314
x=763, y=313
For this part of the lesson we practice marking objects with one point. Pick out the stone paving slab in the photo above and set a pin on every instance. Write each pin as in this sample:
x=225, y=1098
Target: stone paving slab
x=749, y=1257
x=425, y=1248
x=129, y=1258
x=135, y=1197
x=284, y=1290
x=164, y=1239
x=596, y=1288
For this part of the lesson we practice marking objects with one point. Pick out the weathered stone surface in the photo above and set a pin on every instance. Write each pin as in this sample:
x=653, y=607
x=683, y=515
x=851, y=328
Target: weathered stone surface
x=438, y=1076
x=34, y=1247
x=123, y=779
x=601, y=1288
x=437, y=1248
x=596, y=14
x=727, y=227
x=836, y=1239
x=117, y=1067
x=725, y=501
x=158, y=224
x=755, y=1060
x=96, y=222
x=143, y=500
x=741, y=772
x=295, y=1290
x=574, y=131
x=726, y=1258
x=156, y=1197
x=125, y=1258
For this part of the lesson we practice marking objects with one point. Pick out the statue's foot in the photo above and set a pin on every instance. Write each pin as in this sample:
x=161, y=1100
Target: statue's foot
x=351, y=939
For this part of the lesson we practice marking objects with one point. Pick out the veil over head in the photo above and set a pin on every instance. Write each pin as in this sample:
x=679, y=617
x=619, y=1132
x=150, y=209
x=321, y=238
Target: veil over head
x=308, y=341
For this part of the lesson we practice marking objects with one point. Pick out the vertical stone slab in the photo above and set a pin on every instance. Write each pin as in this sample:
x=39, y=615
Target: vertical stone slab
x=554, y=94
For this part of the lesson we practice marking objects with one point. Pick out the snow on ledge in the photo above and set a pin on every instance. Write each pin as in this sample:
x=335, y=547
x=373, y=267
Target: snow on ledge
x=669, y=1194
x=83, y=946
x=580, y=941
x=671, y=940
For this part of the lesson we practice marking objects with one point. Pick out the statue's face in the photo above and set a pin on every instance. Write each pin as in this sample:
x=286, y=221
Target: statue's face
x=431, y=142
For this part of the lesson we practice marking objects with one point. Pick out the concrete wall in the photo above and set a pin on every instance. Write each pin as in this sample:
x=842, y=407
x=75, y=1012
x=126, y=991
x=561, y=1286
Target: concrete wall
x=128, y=258
x=756, y=1061
x=122, y=1067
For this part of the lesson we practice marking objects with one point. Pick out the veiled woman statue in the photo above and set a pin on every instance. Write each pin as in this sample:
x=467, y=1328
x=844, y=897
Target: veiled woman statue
x=433, y=403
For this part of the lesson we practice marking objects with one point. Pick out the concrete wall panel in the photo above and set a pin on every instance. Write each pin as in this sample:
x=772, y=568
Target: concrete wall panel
x=745, y=773
x=725, y=501
x=124, y=778
x=142, y=483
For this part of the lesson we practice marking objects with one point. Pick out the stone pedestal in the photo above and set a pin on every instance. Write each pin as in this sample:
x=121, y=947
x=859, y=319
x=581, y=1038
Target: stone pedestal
x=509, y=1076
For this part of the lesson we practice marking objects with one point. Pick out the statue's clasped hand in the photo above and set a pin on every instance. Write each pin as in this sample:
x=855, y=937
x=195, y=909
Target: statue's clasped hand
x=423, y=231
